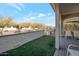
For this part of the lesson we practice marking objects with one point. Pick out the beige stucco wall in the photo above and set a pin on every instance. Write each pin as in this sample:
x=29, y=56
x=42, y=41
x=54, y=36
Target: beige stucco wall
x=12, y=41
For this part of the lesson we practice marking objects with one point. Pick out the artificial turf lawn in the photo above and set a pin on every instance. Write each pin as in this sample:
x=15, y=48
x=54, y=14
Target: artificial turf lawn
x=43, y=46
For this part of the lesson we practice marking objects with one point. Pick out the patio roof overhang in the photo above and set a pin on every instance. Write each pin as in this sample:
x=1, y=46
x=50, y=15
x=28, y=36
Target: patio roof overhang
x=63, y=11
x=67, y=10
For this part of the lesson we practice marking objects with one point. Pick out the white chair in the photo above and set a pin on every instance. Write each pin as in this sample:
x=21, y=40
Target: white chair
x=73, y=50
x=76, y=34
x=68, y=34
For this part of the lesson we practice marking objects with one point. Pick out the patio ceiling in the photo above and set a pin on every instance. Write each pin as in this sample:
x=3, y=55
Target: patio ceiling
x=67, y=10
x=75, y=19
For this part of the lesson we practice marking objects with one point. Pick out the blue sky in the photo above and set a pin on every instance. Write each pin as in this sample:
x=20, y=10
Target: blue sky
x=29, y=12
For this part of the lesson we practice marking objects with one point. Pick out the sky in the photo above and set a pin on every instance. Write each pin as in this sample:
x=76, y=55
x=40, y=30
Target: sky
x=29, y=12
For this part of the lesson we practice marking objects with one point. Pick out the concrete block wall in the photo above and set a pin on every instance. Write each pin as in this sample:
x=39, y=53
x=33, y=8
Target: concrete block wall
x=8, y=42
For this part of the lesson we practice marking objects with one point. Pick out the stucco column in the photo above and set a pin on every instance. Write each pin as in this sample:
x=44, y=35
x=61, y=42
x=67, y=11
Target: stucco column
x=59, y=26
x=57, y=33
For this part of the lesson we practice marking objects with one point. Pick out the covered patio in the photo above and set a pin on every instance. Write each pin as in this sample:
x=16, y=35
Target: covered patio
x=64, y=11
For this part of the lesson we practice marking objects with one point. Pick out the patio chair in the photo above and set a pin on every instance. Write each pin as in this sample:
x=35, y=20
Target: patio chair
x=68, y=34
x=73, y=50
x=76, y=34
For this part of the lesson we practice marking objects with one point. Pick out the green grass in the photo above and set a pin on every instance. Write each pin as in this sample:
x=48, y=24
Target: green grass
x=43, y=46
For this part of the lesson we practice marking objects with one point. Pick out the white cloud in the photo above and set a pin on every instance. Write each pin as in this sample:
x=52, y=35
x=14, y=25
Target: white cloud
x=21, y=5
x=32, y=17
x=41, y=15
x=44, y=15
x=49, y=14
x=50, y=17
x=15, y=6
x=25, y=19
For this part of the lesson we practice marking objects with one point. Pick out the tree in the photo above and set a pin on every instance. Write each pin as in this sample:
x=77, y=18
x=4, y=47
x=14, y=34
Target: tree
x=10, y=22
x=2, y=24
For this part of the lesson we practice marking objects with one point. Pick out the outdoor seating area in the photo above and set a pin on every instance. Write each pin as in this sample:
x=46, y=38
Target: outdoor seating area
x=75, y=35
x=70, y=13
x=64, y=45
x=73, y=50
